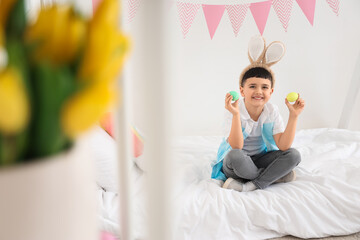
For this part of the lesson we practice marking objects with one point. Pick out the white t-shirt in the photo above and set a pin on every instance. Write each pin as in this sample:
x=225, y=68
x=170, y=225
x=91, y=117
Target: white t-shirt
x=254, y=143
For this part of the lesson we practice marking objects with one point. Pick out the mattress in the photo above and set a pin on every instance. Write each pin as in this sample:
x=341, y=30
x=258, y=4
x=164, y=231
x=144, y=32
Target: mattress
x=323, y=201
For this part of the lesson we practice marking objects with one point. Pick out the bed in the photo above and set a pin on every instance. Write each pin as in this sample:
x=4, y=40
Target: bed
x=323, y=201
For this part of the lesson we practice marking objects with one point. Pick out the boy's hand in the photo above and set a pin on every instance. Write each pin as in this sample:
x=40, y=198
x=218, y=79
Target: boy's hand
x=232, y=107
x=296, y=108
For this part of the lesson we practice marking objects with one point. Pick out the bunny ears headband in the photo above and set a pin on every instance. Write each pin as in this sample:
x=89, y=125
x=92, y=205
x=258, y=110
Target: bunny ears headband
x=262, y=56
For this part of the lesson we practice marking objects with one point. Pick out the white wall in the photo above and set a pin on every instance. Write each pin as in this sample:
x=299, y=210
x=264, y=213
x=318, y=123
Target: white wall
x=318, y=63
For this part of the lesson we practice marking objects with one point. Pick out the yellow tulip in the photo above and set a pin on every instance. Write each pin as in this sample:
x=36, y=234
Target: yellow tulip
x=14, y=104
x=104, y=54
x=107, y=13
x=116, y=60
x=106, y=46
x=85, y=108
x=57, y=34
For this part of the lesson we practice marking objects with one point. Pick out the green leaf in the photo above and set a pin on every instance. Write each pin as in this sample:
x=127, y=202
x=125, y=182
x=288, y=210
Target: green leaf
x=16, y=22
x=7, y=150
x=51, y=87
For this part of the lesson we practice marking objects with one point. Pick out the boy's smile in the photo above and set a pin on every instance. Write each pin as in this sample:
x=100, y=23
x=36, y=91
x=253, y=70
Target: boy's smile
x=258, y=98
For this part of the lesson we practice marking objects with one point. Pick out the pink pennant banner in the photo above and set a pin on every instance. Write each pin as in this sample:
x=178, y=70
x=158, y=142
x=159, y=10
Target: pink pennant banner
x=283, y=11
x=187, y=13
x=260, y=12
x=237, y=14
x=334, y=4
x=213, y=15
x=132, y=8
x=308, y=8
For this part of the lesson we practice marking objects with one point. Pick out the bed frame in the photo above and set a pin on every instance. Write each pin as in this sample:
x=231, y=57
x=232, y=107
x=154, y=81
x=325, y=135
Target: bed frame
x=157, y=131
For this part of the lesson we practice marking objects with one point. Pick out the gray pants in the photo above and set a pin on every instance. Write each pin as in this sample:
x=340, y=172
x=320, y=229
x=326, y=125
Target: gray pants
x=262, y=169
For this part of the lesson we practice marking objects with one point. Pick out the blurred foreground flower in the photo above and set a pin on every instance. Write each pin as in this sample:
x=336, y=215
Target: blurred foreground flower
x=105, y=47
x=104, y=54
x=57, y=77
x=14, y=105
x=86, y=108
x=57, y=35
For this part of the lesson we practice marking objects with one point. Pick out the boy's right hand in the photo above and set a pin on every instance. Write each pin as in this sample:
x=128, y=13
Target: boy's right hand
x=232, y=107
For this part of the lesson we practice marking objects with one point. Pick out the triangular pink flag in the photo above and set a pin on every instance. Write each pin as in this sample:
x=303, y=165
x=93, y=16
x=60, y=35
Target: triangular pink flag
x=260, y=12
x=213, y=15
x=95, y=4
x=187, y=13
x=308, y=8
x=283, y=11
x=132, y=8
x=334, y=4
x=237, y=14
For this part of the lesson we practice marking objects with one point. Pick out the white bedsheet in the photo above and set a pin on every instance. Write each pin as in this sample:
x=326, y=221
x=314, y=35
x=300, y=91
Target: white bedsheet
x=324, y=200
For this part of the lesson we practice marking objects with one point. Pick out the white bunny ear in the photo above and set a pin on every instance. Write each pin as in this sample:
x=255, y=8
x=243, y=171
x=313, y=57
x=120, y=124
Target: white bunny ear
x=256, y=48
x=274, y=52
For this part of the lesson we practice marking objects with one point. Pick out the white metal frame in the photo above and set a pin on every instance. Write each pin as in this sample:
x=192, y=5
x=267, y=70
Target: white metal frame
x=152, y=33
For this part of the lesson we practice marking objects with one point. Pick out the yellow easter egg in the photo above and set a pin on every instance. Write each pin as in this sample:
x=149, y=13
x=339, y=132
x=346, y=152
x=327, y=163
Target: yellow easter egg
x=292, y=97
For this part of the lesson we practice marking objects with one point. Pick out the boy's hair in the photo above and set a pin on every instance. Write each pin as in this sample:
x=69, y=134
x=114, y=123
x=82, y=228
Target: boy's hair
x=257, y=72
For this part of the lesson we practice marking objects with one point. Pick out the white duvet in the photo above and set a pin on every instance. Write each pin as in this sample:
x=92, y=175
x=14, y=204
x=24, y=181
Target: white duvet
x=324, y=200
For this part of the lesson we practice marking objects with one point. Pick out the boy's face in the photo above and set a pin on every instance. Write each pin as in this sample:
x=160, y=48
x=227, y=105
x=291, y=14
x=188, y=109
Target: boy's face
x=256, y=91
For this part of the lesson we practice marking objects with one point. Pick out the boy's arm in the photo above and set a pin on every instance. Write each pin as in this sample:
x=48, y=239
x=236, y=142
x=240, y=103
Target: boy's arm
x=236, y=139
x=284, y=140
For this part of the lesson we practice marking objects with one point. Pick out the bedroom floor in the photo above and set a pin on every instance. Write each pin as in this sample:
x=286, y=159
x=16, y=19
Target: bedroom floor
x=347, y=237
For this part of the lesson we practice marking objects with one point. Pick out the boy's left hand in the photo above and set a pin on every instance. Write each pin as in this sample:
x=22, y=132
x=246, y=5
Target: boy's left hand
x=296, y=108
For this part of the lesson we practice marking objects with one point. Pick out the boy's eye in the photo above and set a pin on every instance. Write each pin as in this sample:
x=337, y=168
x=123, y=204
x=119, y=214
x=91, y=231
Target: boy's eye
x=252, y=86
x=265, y=87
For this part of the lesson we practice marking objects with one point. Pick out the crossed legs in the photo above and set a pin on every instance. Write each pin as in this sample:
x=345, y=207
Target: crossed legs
x=261, y=169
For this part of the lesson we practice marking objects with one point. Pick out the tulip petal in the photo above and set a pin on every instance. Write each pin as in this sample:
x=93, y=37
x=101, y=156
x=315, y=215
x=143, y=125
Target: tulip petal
x=14, y=105
x=85, y=109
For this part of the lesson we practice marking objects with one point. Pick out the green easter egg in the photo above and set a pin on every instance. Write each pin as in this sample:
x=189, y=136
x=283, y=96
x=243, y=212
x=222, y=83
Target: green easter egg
x=235, y=95
x=292, y=97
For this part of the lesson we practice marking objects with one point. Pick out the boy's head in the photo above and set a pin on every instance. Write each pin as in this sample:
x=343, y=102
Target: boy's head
x=256, y=87
x=256, y=72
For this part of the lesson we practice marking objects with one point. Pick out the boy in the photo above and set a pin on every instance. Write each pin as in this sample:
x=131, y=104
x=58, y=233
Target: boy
x=257, y=151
